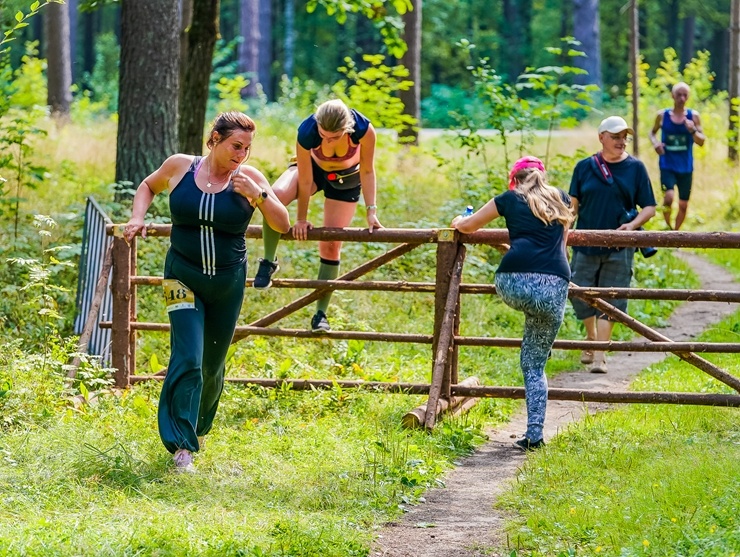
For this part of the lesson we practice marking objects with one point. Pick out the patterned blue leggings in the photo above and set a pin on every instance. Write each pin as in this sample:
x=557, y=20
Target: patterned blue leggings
x=542, y=299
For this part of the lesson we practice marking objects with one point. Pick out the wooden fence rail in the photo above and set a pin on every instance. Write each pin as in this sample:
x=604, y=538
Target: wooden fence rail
x=448, y=289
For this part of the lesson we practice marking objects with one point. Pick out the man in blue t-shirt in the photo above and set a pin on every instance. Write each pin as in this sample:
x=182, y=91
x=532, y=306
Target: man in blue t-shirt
x=680, y=129
x=603, y=188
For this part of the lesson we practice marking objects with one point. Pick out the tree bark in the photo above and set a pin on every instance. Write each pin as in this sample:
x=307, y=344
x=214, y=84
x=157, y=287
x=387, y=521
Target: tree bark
x=59, y=64
x=186, y=20
x=250, y=46
x=264, y=60
x=194, y=87
x=634, y=57
x=517, y=34
x=412, y=61
x=689, y=31
x=148, y=85
x=289, y=40
x=586, y=30
x=734, y=78
x=73, y=17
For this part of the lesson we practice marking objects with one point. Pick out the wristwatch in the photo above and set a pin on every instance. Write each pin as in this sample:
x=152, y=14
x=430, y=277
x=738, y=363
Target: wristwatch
x=260, y=198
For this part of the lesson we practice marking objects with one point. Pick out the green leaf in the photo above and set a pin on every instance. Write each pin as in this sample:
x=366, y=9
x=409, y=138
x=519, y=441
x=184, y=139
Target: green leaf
x=19, y=16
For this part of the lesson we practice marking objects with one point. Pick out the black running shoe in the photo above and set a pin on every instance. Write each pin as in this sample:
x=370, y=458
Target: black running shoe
x=319, y=323
x=526, y=445
x=263, y=280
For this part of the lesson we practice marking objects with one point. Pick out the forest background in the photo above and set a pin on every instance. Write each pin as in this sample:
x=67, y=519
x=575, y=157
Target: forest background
x=82, y=470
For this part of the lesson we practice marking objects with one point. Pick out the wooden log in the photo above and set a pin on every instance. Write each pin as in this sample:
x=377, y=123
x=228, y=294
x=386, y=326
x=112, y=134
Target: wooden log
x=497, y=237
x=467, y=404
x=445, y=341
x=414, y=419
x=121, y=320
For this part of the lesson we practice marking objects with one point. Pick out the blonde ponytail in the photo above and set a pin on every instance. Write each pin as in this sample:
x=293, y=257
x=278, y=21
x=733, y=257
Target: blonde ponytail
x=545, y=201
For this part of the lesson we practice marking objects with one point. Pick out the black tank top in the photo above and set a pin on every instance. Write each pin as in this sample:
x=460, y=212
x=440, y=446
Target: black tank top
x=208, y=228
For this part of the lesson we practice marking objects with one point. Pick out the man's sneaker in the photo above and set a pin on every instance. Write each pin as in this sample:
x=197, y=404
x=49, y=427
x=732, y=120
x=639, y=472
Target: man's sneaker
x=319, y=323
x=587, y=357
x=183, y=461
x=263, y=279
x=526, y=445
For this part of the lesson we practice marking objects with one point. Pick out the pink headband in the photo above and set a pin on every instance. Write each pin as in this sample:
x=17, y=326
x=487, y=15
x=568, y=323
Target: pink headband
x=521, y=164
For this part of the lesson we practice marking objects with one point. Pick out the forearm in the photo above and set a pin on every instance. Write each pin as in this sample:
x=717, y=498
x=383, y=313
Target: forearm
x=304, y=195
x=142, y=200
x=369, y=188
x=643, y=216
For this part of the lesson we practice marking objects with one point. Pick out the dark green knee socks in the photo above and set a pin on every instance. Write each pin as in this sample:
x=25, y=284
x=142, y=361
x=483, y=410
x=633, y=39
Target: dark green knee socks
x=271, y=238
x=328, y=270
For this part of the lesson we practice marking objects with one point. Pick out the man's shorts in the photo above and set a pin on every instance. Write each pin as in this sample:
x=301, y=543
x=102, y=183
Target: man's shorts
x=610, y=269
x=670, y=179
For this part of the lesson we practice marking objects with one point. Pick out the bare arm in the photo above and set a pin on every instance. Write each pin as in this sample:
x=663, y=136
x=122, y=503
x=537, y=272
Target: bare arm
x=642, y=217
x=657, y=143
x=480, y=218
x=158, y=181
x=305, y=184
x=250, y=183
x=367, y=177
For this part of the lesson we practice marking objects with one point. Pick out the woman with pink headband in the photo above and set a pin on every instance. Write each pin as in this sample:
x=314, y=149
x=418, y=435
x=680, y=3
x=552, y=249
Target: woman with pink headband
x=533, y=275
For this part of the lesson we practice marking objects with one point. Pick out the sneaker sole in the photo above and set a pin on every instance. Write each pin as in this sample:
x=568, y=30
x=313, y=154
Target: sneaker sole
x=598, y=369
x=320, y=331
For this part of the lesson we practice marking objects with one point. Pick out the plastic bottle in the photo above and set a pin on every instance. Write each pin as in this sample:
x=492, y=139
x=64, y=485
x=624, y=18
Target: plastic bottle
x=468, y=211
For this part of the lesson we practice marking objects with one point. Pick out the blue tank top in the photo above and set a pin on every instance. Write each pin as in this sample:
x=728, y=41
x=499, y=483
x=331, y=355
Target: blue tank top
x=208, y=228
x=678, y=144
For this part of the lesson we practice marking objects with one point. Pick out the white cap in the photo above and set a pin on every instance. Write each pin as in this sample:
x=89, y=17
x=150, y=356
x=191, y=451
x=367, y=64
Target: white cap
x=614, y=124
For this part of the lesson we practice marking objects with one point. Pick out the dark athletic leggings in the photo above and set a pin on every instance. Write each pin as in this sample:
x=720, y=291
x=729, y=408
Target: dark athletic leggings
x=199, y=341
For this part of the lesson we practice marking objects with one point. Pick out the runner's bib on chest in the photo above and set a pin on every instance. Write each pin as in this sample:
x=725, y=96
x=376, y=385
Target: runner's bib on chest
x=177, y=295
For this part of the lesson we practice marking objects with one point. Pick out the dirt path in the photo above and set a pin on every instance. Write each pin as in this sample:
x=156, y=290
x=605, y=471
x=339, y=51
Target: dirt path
x=462, y=514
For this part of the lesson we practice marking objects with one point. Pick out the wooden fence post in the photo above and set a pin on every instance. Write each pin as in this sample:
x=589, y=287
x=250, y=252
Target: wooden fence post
x=121, y=318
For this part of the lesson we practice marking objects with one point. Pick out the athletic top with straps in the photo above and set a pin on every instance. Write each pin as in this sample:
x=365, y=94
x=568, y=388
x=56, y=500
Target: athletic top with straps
x=310, y=139
x=678, y=143
x=208, y=228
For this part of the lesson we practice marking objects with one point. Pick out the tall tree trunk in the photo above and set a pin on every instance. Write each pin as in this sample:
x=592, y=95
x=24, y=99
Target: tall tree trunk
x=264, y=60
x=73, y=16
x=720, y=62
x=634, y=58
x=91, y=22
x=59, y=64
x=249, y=49
x=412, y=60
x=186, y=20
x=517, y=35
x=689, y=31
x=148, y=87
x=194, y=88
x=586, y=30
x=734, y=90
x=289, y=41
x=673, y=14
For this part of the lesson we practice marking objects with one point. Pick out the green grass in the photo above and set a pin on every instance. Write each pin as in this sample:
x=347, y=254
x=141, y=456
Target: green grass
x=310, y=473
x=655, y=480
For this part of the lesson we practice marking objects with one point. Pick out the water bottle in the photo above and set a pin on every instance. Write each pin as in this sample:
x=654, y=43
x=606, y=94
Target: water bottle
x=468, y=211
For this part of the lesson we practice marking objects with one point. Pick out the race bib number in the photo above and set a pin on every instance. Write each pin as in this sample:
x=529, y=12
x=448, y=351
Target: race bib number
x=177, y=295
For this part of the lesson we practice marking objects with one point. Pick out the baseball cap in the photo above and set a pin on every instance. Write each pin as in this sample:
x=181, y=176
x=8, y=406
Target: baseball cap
x=521, y=164
x=614, y=124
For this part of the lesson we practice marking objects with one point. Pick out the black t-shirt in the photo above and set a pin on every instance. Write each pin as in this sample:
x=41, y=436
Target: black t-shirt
x=601, y=205
x=536, y=247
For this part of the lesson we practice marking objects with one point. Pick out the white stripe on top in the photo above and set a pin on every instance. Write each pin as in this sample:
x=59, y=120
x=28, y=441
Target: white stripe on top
x=207, y=237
